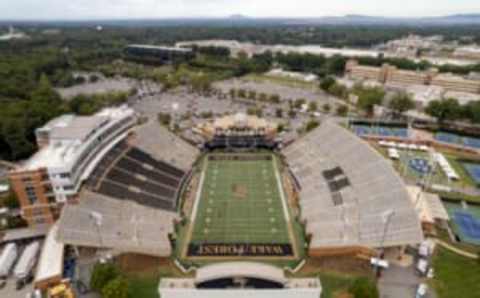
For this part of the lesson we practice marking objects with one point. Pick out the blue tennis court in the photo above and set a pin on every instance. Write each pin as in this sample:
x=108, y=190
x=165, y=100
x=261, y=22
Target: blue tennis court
x=384, y=131
x=473, y=170
x=469, y=226
x=452, y=138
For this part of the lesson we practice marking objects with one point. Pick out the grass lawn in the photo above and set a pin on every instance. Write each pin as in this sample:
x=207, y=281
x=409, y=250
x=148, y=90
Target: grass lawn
x=335, y=285
x=455, y=276
x=143, y=287
x=240, y=203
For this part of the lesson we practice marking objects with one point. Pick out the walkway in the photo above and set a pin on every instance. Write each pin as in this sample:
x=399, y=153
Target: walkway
x=455, y=249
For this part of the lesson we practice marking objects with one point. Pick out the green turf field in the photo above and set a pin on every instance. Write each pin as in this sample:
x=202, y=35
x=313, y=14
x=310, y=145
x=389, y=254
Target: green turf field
x=240, y=202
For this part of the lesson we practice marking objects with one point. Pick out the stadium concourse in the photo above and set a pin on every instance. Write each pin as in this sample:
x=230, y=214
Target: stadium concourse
x=351, y=198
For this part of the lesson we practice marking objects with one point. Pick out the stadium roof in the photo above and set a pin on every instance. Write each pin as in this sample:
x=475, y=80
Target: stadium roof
x=366, y=204
x=101, y=221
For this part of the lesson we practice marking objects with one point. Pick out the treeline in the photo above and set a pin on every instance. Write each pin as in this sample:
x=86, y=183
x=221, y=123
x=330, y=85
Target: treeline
x=451, y=110
x=19, y=118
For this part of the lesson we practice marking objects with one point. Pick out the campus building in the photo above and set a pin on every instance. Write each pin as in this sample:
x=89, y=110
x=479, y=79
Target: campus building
x=388, y=74
x=69, y=148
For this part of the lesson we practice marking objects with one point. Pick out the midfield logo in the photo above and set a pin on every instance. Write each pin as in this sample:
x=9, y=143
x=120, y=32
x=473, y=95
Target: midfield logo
x=241, y=249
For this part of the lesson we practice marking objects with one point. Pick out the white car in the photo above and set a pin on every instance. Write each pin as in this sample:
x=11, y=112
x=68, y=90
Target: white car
x=421, y=291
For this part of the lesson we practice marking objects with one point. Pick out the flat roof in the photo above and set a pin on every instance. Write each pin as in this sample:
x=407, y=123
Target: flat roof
x=164, y=48
x=50, y=263
x=26, y=233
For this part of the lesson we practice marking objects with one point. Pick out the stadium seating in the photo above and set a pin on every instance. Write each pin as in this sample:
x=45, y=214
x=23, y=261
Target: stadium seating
x=128, y=173
x=346, y=191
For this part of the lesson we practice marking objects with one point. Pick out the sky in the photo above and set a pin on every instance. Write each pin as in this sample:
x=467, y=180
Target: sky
x=114, y=9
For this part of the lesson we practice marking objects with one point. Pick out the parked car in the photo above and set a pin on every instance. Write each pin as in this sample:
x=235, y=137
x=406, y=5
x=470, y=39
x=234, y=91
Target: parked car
x=422, y=291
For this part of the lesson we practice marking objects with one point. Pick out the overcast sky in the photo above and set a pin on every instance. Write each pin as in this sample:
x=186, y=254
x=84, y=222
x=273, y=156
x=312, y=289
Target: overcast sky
x=89, y=9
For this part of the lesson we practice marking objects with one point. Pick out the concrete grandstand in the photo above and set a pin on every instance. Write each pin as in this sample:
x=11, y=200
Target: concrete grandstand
x=350, y=196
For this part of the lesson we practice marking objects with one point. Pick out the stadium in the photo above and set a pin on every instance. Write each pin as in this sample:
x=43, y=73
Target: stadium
x=234, y=209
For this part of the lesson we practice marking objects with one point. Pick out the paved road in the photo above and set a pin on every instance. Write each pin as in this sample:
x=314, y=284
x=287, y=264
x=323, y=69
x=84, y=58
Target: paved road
x=401, y=282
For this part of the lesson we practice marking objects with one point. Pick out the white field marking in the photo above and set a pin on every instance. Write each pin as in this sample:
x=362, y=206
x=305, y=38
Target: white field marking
x=199, y=193
x=280, y=190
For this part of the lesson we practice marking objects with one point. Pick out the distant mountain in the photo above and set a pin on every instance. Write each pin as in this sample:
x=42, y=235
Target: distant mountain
x=242, y=20
x=238, y=17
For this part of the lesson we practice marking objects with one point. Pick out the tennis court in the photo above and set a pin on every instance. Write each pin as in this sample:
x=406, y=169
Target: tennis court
x=452, y=138
x=384, y=131
x=465, y=221
x=473, y=171
x=240, y=209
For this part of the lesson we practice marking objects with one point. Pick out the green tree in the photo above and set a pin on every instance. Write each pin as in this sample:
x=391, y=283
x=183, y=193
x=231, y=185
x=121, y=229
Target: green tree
x=102, y=274
x=279, y=113
x=116, y=288
x=364, y=288
x=327, y=83
x=342, y=110
x=444, y=109
x=368, y=98
x=326, y=108
x=312, y=106
x=164, y=119
x=401, y=103
x=311, y=125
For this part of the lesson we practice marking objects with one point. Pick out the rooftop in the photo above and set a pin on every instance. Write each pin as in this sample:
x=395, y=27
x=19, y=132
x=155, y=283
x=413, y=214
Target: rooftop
x=67, y=135
x=50, y=263
x=165, y=48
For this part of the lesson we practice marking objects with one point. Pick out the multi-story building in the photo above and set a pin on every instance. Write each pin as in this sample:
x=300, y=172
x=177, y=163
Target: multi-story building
x=456, y=83
x=388, y=74
x=471, y=52
x=69, y=148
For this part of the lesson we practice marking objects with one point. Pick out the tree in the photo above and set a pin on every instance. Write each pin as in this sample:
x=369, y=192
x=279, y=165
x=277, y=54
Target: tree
x=364, y=288
x=401, y=103
x=471, y=111
x=164, y=119
x=279, y=113
x=312, y=106
x=444, y=109
x=342, y=110
x=116, y=288
x=102, y=274
x=326, y=108
x=368, y=98
x=311, y=125
x=327, y=83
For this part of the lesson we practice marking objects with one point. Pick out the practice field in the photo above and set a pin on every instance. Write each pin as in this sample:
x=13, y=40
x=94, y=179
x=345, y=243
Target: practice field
x=240, y=211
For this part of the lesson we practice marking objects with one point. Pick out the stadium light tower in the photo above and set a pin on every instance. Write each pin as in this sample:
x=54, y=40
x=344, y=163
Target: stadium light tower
x=97, y=219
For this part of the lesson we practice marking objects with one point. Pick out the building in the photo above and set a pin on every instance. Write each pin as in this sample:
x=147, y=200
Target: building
x=388, y=74
x=239, y=279
x=238, y=131
x=69, y=148
x=471, y=52
x=158, y=54
x=456, y=83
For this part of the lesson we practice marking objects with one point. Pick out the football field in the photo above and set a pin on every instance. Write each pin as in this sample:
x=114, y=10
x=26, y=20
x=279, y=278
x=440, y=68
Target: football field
x=240, y=208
